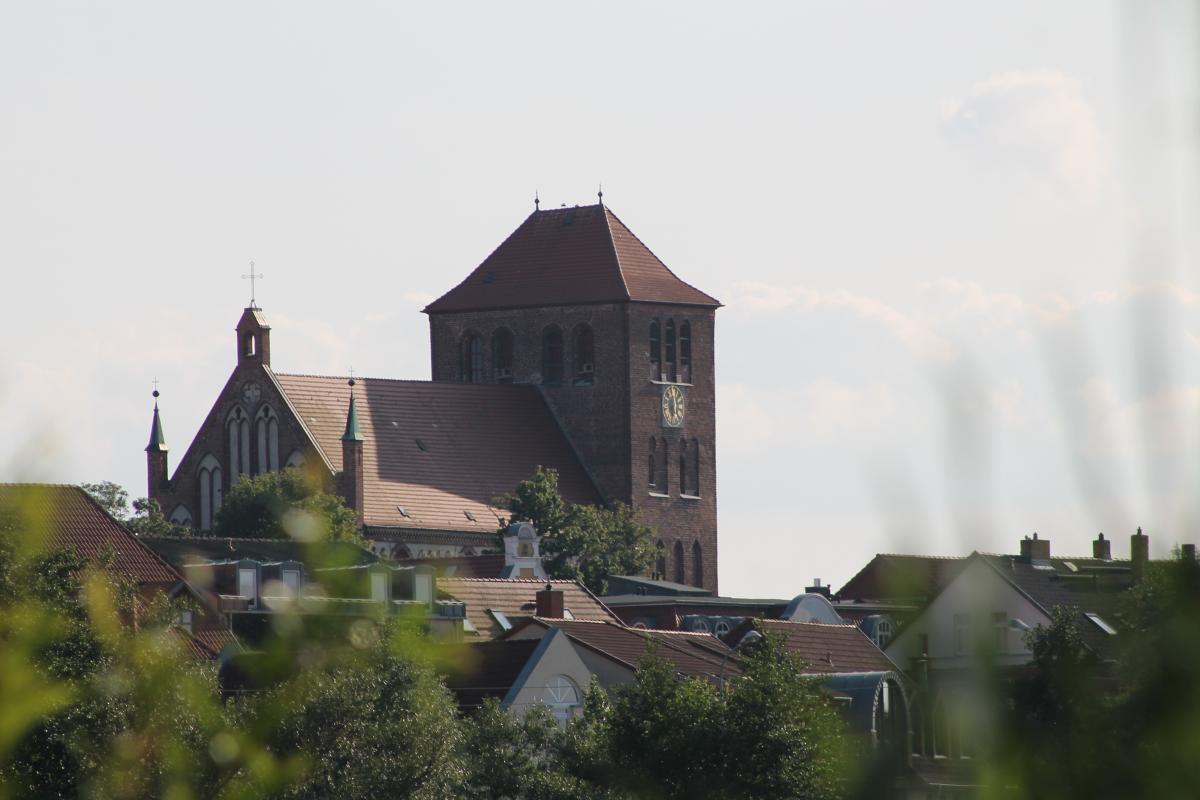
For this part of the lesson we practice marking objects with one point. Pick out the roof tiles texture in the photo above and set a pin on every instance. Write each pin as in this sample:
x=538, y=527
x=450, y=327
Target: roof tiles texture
x=517, y=598
x=691, y=654
x=828, y=649
x=569, y=256
x=75, y=520
x=440, y=451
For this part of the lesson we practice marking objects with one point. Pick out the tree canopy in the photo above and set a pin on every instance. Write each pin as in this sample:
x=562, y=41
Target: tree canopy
x=289, y=504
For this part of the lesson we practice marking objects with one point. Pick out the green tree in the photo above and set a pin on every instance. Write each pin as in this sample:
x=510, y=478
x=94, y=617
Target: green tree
x=147, y=518
x=581, y=542
x=111, y=497
x=286, y=504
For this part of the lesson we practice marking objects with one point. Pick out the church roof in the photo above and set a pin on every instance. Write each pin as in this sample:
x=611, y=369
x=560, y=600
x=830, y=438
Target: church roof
x=439, y=451
x=569, y=256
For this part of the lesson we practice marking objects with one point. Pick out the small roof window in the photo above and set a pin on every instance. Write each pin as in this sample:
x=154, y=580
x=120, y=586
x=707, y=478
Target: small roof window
x=501, y=618
x=1100, y=623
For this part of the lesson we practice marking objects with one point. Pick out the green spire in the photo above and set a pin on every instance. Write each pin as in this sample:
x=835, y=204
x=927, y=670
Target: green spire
x=157, y=440
x=352, y=434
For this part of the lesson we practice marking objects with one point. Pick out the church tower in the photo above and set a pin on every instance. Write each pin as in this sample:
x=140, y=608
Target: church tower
x=622, y=350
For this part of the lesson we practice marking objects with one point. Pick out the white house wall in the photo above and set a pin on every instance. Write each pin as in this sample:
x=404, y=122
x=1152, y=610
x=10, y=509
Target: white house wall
x=555, y=657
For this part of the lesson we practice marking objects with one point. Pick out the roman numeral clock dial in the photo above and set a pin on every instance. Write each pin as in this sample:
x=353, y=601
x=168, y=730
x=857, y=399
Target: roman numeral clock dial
x=674, y=405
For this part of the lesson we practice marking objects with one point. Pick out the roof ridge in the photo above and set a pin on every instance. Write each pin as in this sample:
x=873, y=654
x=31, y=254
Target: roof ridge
x=361, y=379
x=612, y=242
x=607, y=213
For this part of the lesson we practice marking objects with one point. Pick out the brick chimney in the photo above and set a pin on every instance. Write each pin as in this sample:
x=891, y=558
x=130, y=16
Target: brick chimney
x=1102, y=548
x=1035, y=550
x=352, y=460
x=1139, y=553
x=550, y=603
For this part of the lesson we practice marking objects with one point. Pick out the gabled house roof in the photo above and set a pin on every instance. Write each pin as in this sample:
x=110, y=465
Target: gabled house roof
x=516, y=598
x=435, y=455
x=691, y=654
x=486, y=669
x=569, y=256
x=74, y=520
x=898, y=577
x=827, y=649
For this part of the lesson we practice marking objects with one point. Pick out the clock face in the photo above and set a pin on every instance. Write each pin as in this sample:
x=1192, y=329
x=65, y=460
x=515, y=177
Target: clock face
x=673, y=406
x=251, y=393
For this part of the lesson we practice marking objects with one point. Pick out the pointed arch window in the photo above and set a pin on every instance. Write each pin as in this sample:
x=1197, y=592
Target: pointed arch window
x=584, y=352
x=502, y=356
x=671, y=373
x=655, y=351
x=237, y=429
x=685, y=352
x=683, y=467
x=652, y=476
x=694, y=476
x=471, y=359
x=266, y=432
x=211, y=493
x=678, y=565
x=697, y=564
x=660, y=561
x=552, y=356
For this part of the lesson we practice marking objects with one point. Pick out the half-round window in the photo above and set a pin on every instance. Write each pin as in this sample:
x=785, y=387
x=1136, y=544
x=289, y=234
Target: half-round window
x=563, y=698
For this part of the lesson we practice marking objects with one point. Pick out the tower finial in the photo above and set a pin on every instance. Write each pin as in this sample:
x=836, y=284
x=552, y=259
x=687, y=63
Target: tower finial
x=537, y=203
x=252, y=277
x=600, y=193
x=158, y=442
x=352, y=434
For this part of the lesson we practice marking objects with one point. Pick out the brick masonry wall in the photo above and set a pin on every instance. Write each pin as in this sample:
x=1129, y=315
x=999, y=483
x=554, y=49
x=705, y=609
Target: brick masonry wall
x=612, y=421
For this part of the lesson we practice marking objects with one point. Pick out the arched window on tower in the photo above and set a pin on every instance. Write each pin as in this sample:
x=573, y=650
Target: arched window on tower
x=250, y=344
x=471, y=359
x=671, y=373
x=237, y=429
x=697, y=564
x=655, y=351
x=685, y=352
x=266, y=425
x=211, y=492
x=584, y=352
x=552, y=356
x=652, y=476
x=502, y=356
x=678, y=566
x=683, y=467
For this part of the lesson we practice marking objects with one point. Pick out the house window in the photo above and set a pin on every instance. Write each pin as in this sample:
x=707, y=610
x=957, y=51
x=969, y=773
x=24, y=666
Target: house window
x=722, y=628
x=562, y=697
x=697, y=564
x=291, y=579
x=502, y=356
x=960, y=634
x=471, y=359
x=655, y=351
x=552, y=357
x=685, y=352
x=671, y=374
x=378, y=586
x=584, y=351
x=677, y=558
x=1000, y=631
x=883, y=633
x=247, y=585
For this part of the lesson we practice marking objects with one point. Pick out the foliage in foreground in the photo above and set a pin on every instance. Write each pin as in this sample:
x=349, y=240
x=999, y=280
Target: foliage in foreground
x=289, y=504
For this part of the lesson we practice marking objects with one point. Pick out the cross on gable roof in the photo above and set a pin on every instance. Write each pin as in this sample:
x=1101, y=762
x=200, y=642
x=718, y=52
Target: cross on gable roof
x=569, y=256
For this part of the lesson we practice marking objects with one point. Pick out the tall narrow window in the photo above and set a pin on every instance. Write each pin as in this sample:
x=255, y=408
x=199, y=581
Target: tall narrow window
x=584, y=353
x=502, y=356
x=695, y=476
x=685, y=352
x=552, y=356
x=655, y=351
x=250, y=345
x=471, y=359
x=660, y=562
x=697, y=564
x=683, y=469
x=267, y=436
x=662, y=480
x=678, y=566
x=652, y=477
x=237, y=426
x=671, y=373
x=210, y=479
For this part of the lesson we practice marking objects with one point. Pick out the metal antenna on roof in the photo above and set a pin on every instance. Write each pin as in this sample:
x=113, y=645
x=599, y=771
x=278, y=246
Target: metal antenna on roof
x=600, y=193
x=536, y=201
x=252, y=278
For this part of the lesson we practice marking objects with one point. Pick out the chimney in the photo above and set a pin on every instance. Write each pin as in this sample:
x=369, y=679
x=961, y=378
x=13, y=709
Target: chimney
x=352, y=460
x=1187, y=552
x=817, y=588
x=550, y=603
x=1035, y=550
x=1139, y=553
x=1102, y=548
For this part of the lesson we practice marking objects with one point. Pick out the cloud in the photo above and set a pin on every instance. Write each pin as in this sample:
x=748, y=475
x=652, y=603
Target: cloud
x=1035, y=121
x=914, y=333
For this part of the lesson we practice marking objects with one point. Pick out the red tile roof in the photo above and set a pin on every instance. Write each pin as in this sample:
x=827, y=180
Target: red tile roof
x=517, y=598
x=202, y=645
x=692, y=654
x=568, y=256
x=829, y=648
x=485, y=566
x=439, y=450
x=74, y=519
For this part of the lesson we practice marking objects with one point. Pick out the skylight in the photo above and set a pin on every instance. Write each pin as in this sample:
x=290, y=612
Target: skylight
x=1100, y=623
x=501, y=618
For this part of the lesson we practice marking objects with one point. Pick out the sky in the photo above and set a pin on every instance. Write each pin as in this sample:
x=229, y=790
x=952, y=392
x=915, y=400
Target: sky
x=955, y=243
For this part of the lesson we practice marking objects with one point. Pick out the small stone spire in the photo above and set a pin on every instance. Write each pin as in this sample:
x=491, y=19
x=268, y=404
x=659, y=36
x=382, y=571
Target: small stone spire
x=352, y=433
x=158, y=442
x=156, y=454
x=353, y=475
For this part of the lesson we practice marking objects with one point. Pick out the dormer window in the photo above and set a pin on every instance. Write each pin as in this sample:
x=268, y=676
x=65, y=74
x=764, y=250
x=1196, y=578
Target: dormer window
x=248, y=585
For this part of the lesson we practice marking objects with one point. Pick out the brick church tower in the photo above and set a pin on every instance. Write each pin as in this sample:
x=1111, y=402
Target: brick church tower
x=622, y=351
